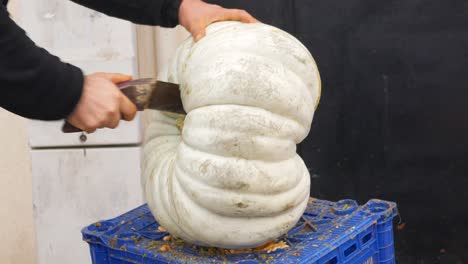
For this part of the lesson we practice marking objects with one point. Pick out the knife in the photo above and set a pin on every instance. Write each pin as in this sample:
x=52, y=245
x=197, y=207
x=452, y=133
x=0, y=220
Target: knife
x=148, y=93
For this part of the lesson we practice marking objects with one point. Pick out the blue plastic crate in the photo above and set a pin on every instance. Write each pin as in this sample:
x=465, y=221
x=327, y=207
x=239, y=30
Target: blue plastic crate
x=328, y=233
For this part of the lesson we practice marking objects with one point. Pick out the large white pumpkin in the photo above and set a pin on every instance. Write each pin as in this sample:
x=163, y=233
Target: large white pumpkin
x=232, y=178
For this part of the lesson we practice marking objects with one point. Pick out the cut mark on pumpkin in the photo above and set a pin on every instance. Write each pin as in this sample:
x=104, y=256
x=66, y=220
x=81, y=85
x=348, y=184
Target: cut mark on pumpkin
x=180, y=123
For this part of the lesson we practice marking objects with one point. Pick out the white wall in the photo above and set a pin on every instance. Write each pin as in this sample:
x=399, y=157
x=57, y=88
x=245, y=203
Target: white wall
x=156, y=47
x=17, y=243
x=16, y=212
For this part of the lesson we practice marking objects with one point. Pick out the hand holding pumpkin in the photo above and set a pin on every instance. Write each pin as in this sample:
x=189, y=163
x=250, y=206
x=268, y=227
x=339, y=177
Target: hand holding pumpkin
x=196, y=15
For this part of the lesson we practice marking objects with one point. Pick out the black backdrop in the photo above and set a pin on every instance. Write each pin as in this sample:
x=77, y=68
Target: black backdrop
x=393, y=118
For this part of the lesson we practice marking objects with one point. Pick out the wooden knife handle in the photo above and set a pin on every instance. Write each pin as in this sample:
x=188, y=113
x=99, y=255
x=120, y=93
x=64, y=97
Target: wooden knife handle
x=69, y=128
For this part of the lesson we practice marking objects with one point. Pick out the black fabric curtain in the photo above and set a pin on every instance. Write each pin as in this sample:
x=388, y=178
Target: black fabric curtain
x=393, y=118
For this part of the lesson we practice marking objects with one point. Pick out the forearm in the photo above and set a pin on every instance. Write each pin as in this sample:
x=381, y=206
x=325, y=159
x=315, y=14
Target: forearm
x=33, y=83
x=148, y=12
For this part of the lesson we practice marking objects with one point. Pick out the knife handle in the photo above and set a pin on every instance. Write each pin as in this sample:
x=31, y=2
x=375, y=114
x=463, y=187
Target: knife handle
x=129, y=89
x=69, y=128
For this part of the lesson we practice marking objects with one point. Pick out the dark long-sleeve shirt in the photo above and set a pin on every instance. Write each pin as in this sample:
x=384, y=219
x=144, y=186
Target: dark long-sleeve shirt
x=36, y=84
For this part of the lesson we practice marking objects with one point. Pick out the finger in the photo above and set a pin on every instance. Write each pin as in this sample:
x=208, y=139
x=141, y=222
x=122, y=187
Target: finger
x=199, y=34
x=76, y=123
x=127, y=108
x=237, y=15
x=113, y=120
x=118, y=78
x=115, y=77
x=89, y=130
x=86, y=128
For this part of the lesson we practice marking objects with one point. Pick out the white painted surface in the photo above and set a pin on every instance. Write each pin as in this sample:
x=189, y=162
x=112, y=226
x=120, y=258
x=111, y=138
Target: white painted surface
x=75, y=33
x=49, y=134
x=73, y=188
x=167, y=42
x=17, y=243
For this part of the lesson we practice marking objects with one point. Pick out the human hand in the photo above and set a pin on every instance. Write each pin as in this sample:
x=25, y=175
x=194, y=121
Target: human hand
x=102, y=104
x=196, y=15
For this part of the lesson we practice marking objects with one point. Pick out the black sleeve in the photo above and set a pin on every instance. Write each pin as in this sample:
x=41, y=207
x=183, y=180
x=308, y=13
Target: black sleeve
x=33, y=83
x=163, y=13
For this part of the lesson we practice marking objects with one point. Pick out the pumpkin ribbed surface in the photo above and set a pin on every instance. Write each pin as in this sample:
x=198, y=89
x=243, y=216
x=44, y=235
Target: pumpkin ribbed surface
x=231, y=177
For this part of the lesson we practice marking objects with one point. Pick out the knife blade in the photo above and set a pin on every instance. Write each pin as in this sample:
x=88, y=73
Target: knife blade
x=148, y=93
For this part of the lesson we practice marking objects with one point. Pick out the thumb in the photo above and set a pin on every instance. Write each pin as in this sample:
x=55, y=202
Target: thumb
x=199, y=34
x=114, y=77
x=127, y=108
